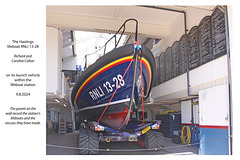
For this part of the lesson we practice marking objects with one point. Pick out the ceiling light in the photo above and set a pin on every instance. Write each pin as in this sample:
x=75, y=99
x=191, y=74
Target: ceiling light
x=57, y=100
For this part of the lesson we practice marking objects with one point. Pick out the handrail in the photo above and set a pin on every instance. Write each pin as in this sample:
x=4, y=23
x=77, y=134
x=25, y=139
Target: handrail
x=122, y=27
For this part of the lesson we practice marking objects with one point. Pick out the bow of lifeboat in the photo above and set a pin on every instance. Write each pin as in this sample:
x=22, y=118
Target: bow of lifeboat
x=93, y=91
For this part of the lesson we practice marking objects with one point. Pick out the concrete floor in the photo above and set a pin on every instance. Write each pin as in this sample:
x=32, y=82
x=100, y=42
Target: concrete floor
x=70, y=141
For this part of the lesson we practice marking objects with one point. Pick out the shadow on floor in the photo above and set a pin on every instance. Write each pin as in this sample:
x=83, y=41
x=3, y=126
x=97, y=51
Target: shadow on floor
x=70, y=141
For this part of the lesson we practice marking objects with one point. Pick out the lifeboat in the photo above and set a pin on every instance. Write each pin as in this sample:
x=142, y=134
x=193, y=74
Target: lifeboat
x=112, y=88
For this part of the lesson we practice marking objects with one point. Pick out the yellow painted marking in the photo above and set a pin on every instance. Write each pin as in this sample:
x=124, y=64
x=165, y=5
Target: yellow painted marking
x=146, y=129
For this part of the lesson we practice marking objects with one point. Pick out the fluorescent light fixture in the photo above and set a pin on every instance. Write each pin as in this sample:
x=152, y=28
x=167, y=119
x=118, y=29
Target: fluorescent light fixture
x=57, y=100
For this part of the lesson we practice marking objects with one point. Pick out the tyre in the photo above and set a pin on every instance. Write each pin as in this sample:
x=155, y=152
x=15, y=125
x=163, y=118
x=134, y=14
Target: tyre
x=83, y=141
x=159, y=139
x=154, y=140
x=150, y=140
x=93, y=142
x=88, y=141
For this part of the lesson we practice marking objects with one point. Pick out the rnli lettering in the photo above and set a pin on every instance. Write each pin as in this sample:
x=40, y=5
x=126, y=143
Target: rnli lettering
x=108, y=86
x=96, y=93
x=115, y=81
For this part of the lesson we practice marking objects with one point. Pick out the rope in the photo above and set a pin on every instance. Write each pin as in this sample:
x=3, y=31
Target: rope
x=115, y=91
x=142, y=90
x=140, y=53
x=185, y=135
x=138, y=48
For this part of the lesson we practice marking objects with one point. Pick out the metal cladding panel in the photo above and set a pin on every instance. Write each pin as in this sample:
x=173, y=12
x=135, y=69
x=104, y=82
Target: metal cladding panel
x=213, y=142
x=214, y=121
x=186, y=112
x=213, y=106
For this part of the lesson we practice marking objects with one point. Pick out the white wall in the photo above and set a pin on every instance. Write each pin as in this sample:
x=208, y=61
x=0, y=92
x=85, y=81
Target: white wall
x=70, y=63
x=211, y=74
x=213, y=106
x=53, y=61
x=193, y=17
x=177, y=30
x=165, y=90
x=186, y=112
